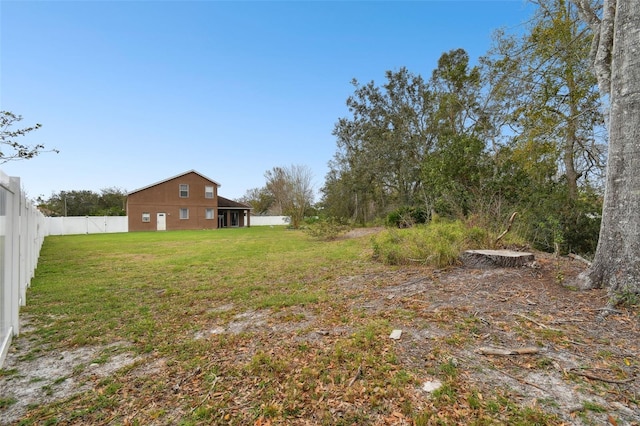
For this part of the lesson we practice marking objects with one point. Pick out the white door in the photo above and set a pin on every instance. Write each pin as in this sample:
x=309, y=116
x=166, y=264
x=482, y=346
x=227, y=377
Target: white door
x=161, y=222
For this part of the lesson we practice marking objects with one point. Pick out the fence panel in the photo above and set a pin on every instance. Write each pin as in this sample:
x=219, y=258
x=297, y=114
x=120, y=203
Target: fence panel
x=269, y=220
x=71, y=225
x=6, y=331
x=22, y=231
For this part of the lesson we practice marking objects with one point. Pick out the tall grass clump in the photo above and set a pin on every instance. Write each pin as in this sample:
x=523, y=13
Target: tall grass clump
x=437, y=244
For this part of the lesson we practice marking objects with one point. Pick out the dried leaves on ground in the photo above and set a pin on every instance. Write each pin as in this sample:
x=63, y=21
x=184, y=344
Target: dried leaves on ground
x=502, y=346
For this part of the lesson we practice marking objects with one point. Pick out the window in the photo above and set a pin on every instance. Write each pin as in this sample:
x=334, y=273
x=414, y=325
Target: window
x=184, y=190
x=208, y=214
x=184, y=213
x=208, y=191
x=146, y=217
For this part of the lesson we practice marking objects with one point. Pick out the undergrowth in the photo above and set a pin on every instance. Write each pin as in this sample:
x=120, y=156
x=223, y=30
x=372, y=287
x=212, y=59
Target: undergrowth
x=437, y=244
x=327, y=229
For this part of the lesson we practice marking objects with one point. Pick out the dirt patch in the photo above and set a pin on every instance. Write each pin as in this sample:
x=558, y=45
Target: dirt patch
x=34, y=376
x=584, y=370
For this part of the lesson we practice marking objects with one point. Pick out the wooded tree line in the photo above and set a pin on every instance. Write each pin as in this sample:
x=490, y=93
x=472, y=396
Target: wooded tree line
x=107, y=202
x=523, y=130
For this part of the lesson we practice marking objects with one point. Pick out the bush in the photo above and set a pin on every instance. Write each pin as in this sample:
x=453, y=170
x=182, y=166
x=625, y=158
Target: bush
x=327, y=229
x=406, y=217
x=564, y=225
x=438, y=244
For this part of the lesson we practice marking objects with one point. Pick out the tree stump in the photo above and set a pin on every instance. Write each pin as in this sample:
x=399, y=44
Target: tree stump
x=496, y=258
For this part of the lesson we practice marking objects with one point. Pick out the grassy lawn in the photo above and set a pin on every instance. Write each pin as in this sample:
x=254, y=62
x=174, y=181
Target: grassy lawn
x=243, y=326
x=153, y=289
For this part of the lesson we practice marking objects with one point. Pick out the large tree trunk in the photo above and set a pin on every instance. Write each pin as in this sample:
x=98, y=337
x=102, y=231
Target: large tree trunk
x=617, y=260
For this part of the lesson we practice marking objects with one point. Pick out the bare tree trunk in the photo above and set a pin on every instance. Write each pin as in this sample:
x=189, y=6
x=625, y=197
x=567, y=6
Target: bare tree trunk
x=571, y=137
x=617, y=260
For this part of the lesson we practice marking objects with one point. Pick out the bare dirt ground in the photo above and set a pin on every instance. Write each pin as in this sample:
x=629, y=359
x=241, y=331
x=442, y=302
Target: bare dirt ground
x=583, y=369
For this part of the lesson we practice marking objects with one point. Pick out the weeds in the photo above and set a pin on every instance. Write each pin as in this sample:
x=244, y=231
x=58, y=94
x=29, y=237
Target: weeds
x=438, y=244
x=7, y=402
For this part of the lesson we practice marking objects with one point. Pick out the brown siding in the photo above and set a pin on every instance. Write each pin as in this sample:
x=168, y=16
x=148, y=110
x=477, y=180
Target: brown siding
x=165, y=198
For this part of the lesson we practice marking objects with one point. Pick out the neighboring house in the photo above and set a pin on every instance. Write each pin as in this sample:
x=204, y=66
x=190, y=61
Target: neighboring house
x=187, y=201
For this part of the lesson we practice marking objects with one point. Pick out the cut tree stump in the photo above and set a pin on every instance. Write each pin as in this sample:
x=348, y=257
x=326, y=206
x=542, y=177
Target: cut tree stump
x=496, y=258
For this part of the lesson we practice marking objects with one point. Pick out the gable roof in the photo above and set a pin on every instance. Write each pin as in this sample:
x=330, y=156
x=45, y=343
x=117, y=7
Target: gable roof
x=227, y=203
x=174, y=177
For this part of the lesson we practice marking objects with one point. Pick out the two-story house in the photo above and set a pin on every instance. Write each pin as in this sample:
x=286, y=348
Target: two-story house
x=187, y=201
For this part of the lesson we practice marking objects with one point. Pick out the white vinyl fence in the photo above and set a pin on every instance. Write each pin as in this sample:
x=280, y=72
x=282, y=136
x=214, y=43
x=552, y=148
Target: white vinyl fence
x=71, y=225
x=86, y=225
x=269, y=220
x=22, y=232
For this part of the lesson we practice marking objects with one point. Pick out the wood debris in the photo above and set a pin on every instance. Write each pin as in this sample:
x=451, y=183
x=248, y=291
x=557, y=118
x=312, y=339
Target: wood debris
x=487, y=350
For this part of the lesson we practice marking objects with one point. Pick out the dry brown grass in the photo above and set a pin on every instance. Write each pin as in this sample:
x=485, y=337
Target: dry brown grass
x=265, y=326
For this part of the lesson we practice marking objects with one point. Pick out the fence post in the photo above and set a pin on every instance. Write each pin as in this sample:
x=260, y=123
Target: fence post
x=6, y=262
x=16, y=254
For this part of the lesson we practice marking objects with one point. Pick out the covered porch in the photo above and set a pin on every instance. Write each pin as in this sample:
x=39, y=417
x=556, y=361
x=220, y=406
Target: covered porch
x=232, y=214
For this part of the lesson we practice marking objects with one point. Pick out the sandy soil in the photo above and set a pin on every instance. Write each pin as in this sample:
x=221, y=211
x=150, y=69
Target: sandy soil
x=580, y=360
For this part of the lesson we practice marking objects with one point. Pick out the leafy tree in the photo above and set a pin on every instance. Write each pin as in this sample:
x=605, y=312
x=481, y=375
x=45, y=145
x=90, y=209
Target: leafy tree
x=112, y=202
x=410, y=142
x=455, y=168
x=260, y=200
x=555, y=101
x=292, y=190
x=382, y=144
x=338, y=196
x=457, y=92
x=109, y=202
x=8, y=139
x=616, y=28
x=543, y=120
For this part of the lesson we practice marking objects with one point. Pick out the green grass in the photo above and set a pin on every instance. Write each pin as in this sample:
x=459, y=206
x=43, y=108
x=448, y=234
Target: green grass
x=95, y=289
x=156, y=292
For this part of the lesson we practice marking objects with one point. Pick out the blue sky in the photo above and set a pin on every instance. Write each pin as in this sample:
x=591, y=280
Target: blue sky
x=133, y=92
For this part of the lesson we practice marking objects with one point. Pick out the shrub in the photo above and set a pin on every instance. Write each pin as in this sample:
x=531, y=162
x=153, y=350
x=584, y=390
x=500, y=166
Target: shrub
x=564, y=225
x=327, y=228
x=406, y=217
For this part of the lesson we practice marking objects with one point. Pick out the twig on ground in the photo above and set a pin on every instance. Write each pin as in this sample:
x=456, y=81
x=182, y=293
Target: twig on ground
x=521, y=380
x=579, y=258
x=602, y=379
x=609, y=310
x=207, y=396
x=354, y=378
x=538, y=323
x=487, y=350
